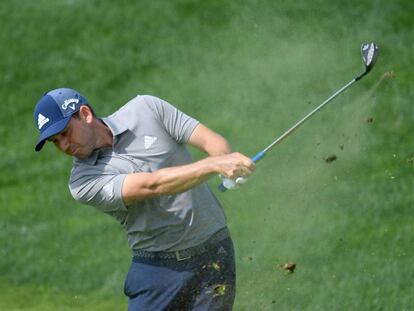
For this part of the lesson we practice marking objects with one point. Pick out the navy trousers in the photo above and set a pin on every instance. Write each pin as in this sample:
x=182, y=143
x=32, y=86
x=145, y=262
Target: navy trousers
x=203, y=282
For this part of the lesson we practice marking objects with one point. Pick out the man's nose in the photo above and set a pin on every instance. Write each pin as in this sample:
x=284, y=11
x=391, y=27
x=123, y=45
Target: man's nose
x=63, y=144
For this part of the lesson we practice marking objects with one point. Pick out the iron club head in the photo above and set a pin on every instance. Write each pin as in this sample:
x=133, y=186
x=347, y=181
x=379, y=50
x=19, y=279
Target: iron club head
x=369, y=53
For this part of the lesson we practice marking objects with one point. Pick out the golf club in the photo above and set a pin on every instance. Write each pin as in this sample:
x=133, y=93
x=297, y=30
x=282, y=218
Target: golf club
x=369, y=53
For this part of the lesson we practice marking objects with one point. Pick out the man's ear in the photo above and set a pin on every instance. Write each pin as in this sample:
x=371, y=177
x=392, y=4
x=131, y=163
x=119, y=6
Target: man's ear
x=85, y=113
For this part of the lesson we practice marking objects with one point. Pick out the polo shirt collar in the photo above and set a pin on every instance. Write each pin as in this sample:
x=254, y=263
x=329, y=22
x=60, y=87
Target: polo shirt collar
x=114, y=125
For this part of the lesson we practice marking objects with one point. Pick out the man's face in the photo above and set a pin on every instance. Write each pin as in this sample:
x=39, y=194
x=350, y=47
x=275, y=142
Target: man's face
x=76, y=139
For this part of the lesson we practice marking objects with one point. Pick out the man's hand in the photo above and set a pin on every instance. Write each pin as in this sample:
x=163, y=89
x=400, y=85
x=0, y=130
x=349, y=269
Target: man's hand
x=235, y=171
x=234, y=165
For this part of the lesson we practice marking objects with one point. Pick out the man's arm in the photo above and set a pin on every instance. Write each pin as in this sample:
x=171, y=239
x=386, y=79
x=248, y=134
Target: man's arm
x=173, y=180
x=209, y=141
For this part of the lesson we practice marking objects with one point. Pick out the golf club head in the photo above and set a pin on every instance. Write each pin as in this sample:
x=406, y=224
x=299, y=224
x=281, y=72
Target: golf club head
x=369, y=53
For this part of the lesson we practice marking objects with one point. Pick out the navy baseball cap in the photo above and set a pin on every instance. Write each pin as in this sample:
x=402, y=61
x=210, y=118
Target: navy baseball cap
x=54, y=110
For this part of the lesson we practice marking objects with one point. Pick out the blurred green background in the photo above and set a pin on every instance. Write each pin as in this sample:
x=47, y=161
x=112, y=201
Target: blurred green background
x=249, y=70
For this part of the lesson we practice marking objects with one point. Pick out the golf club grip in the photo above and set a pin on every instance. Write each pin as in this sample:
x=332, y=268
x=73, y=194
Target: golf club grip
x=256, y=158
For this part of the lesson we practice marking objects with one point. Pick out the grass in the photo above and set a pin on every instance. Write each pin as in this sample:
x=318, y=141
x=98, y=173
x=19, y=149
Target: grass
x=248, y=70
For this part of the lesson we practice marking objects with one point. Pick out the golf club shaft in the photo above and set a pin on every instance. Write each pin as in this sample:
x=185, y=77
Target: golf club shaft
x=262, y=153
x=369, y=53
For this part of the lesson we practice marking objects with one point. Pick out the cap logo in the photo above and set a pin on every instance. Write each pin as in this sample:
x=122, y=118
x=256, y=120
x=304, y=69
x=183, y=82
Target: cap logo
x=41, y=120
x=67, y=103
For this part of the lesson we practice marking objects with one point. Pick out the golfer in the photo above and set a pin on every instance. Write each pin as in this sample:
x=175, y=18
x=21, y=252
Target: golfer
x=134, y=166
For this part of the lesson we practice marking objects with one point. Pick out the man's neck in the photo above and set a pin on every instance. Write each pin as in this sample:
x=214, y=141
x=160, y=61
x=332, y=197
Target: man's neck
x=104, y=135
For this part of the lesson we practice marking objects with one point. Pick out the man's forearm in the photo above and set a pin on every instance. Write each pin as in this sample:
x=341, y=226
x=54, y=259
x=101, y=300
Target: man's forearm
x=218, y=147
x=172, y=180
x=209, y=141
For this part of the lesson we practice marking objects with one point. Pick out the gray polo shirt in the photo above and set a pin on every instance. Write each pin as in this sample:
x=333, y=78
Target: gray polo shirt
x=149, y=134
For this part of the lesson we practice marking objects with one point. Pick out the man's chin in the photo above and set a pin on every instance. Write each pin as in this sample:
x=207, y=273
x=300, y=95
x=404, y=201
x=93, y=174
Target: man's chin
x=81, y=155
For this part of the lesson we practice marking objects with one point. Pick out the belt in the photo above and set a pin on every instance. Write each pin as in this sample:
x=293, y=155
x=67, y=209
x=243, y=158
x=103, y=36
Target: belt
x=185, y=253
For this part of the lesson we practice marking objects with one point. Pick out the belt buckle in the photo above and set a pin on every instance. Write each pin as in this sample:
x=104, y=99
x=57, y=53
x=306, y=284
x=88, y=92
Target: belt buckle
x=179, y=257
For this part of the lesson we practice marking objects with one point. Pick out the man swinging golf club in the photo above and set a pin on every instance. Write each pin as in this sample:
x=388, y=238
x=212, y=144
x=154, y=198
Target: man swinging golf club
x=134, y=166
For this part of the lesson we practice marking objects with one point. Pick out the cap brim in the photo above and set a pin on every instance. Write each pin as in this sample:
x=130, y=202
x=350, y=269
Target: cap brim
x=54, y=129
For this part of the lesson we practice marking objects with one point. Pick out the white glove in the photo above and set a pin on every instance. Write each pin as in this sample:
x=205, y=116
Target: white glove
x=241, y=180
x=232, y=184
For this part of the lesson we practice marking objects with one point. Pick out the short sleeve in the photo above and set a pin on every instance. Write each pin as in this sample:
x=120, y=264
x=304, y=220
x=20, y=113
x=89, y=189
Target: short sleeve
x=101, y=191
x=179, y=125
